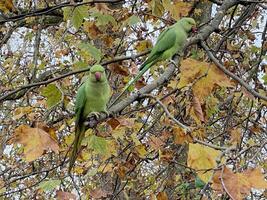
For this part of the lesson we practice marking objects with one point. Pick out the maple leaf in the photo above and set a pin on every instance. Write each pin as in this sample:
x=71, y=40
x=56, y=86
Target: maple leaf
x=35, y=141
x=177, y=9
x=238, y=185
x=202, y=158
x=208, y=76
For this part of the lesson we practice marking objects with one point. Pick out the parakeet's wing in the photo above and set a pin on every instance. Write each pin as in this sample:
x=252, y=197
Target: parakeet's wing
x=79, y=105
x=79, y=127
x=165, y=41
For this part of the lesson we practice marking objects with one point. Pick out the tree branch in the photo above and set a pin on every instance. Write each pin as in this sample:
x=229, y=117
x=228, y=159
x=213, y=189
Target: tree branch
x=45, y=82
x=233, y=76
x=47, y=10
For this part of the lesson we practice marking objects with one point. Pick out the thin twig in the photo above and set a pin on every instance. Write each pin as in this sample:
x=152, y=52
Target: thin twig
x=233, y=76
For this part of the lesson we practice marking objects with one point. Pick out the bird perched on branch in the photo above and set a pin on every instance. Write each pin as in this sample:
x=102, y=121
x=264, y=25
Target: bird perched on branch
x=169, y=42
x=92, y=98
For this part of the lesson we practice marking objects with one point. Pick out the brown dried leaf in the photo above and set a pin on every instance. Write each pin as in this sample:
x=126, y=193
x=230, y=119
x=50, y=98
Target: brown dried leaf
x=155, y=142
x=114, y=123
x=235, y=136
x=98, y=193
x=162, y=196
x=92, y=30
x=35, y=141
x=102, y=7
x=60, y=195
x=180, y=137
x=21, y=111
x=118, y=69
x=197, y=109
x=238, y=185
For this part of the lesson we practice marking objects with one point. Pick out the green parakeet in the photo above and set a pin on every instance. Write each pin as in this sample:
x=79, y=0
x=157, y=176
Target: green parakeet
x=92, y=98
x=169, y=42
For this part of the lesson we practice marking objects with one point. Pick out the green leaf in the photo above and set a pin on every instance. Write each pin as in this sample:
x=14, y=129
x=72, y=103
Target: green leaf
x=94, y=52
x=49, y=185
x=98, y=144
x=199, y=183
x=53, y=95
x=103, y=19
x=80, y=65
x=67, y=13
x=132, y=20
x=78, y=15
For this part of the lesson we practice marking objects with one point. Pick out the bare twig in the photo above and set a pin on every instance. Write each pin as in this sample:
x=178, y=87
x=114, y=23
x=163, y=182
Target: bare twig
x=235, y=77
x=53, y=8
x=186, y=128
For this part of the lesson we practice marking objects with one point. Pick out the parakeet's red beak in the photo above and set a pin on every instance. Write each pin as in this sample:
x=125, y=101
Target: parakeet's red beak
x=194, y=29
x=98, y=76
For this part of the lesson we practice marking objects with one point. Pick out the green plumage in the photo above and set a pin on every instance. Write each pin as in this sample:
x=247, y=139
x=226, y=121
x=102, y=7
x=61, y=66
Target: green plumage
x=92, y=97
x=169, y=42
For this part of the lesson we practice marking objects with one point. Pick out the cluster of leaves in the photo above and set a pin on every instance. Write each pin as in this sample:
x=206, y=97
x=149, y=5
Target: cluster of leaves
x=143, y=152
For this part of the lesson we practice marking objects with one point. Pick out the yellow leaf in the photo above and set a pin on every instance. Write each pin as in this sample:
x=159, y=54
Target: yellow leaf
x=135, y=139
x=157, y=8
x=143, y=45
x=141, y=150
x=21, y=111
x=201, y=157
x=177, y=9
x=119, y=133
x=35, y=141
x=104, y=168
x=7, y=6
x=206, y=75
x=78, y=169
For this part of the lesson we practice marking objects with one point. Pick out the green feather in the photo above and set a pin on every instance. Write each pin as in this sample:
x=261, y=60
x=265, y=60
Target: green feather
x=92, y=96
x=169, y=42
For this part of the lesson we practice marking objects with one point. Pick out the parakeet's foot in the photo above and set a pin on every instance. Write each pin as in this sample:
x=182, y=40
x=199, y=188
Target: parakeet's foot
x=94, y=114
x=106, y=112
x=89, y=121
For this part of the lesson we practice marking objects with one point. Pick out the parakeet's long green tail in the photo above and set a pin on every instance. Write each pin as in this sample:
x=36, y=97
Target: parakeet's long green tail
x=131, y=82
x=79, y=135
